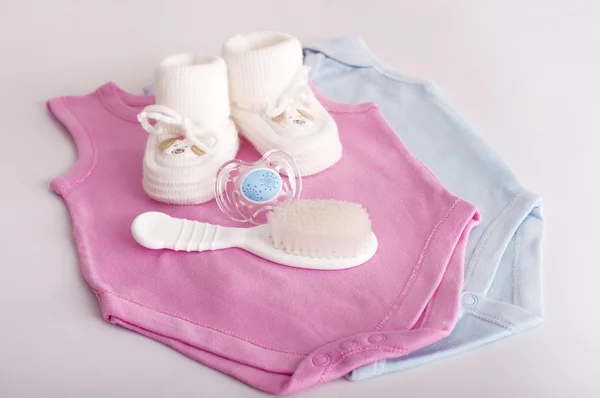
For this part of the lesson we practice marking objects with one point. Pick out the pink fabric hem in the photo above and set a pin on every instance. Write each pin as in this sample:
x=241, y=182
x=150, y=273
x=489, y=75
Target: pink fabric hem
x=443, y=241
x=227, y=354
x=86, y=150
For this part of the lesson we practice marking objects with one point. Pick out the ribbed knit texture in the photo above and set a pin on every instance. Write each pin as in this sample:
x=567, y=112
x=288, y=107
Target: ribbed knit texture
x=261, y=65
x=265, y=71
x=193, y=85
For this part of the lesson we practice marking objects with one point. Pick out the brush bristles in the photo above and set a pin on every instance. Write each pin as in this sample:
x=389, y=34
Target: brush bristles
x=321, y=228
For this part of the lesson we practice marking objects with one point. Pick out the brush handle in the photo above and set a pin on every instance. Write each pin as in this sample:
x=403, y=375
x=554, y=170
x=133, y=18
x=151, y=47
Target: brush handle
x=155, y=230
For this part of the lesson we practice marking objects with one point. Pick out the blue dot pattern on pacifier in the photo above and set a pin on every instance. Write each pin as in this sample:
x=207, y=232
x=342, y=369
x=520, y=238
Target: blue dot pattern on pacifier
x=261, y=185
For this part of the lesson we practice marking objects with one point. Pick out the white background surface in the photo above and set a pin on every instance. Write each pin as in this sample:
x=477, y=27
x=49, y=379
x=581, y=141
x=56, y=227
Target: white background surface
x=523, y=73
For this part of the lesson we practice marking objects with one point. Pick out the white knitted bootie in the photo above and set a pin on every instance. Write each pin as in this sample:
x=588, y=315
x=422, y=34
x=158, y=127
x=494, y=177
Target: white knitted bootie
x=272, y=103
x=193, y=134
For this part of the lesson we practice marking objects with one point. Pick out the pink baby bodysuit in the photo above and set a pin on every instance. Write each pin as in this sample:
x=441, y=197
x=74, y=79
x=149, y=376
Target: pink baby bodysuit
x=277, y=328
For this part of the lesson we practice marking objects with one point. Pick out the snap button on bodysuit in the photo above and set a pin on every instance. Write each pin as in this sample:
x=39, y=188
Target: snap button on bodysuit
x=346, y=345
x=469, y=300
x=376, y=338
x=321, y=359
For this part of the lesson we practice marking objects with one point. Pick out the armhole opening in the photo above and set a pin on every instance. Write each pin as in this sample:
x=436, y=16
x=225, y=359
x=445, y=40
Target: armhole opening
x=86, y=151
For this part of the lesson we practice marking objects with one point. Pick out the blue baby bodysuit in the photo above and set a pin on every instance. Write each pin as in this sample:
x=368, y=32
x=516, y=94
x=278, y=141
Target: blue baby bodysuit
x=502, y=291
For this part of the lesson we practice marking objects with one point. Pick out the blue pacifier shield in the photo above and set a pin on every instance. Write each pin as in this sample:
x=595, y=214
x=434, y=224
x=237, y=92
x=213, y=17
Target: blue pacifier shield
x=248, y=191
x=261, y=186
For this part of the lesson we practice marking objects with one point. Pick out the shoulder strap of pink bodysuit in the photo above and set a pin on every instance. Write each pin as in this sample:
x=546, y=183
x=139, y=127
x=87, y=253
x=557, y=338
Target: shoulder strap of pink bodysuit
x=94, y=120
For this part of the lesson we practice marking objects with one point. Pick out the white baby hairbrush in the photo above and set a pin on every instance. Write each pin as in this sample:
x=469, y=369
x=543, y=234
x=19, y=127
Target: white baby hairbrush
x=313, y=234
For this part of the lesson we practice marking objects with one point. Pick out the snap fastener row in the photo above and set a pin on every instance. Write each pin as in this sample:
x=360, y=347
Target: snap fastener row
x=321, y=359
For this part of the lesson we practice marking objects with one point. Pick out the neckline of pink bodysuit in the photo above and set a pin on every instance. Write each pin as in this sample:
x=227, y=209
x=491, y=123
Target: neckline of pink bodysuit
x=121, y=103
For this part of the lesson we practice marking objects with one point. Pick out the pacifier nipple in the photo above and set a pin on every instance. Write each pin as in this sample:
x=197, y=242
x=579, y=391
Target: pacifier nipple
x=246, y=192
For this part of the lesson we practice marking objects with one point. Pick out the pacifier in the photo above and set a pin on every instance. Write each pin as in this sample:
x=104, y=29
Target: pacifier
x=246, y=192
